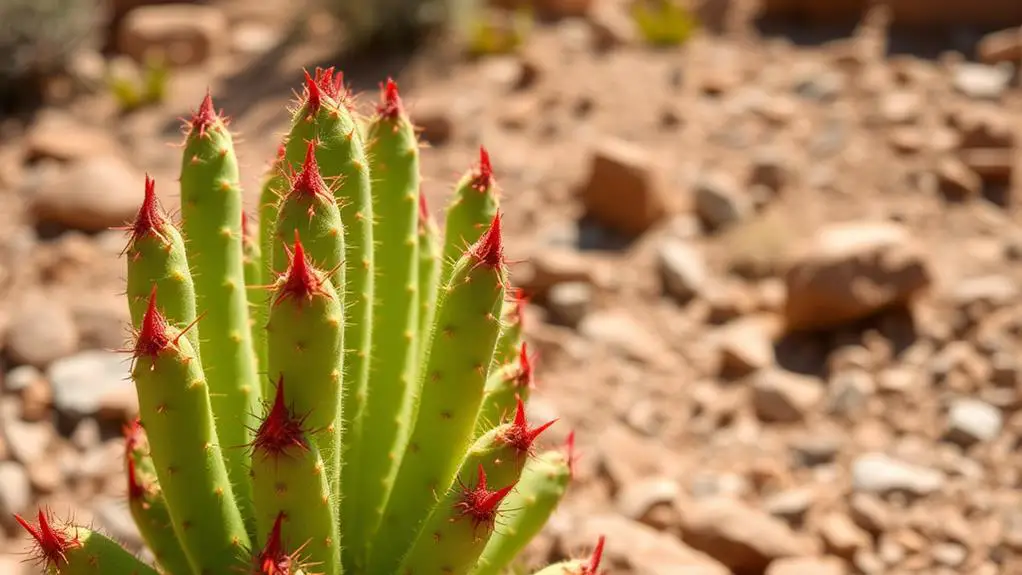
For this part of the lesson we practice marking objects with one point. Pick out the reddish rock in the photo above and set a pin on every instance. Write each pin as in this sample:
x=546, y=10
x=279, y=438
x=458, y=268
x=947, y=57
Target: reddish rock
x=624, y=191
x=852, y=270
x=1001, y=46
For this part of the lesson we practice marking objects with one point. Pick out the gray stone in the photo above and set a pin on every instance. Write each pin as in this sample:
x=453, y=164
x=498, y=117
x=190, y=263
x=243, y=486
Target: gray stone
x=568, y=303
x=27, y=441
x=82, y=382
x=981, y=81
x=20, y=378
x=682, y=269
x=791, y=505
x=972, y=421
x=15, y=490
x=720, y=202
x=42, y=331
x=783, y=397
x=879, y=473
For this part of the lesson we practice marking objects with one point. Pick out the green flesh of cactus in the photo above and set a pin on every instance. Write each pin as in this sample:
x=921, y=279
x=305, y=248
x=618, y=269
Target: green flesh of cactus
x=335, y=389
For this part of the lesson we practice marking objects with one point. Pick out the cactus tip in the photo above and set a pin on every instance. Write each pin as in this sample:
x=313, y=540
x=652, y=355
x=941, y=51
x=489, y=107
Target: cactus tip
x=481, y=504
x=483, y=179
x=489, y=250
x=154, y=336
x=51, y=545
x=391, y=108
x=518, y=435
x=280, y=429
x=313, y=95
x=595, y=558
x=308, y=182
x=324, y=83
x=300, y=281
x=272, y=559
x=149, y=219
x=205, y=117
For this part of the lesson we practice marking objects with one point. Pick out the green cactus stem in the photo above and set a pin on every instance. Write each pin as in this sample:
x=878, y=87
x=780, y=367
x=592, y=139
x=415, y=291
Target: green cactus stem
x=590, y=566
x=511, y=330
x=211, y=208
x=526, y=510
x=253, y=263
x=394, y=154
x=76, y=550
x=156, y=256
x=147, y=505
x=504, y=387
x=450, y=391
x=174, y=405
x=429, y=272
x=446, y=544
x=273, y=188
x=324, y=117
x=288, y=478
x=475, y=204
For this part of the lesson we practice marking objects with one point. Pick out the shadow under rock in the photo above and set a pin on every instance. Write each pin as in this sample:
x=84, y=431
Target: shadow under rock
x=808, y=352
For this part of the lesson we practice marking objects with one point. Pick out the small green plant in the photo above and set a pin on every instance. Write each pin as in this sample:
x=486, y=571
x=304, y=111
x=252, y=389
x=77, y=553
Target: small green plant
x=495, y=31
x=341, y=391
x=133, y=90
x=663, y=22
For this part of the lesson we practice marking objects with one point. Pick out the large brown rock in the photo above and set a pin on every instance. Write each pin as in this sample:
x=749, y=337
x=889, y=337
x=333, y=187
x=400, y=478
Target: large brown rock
x=624, y=191
x=851, y=271
x=184, y=34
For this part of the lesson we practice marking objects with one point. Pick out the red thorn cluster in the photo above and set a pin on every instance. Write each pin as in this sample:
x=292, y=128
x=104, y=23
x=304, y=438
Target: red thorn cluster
x=154, y=336
x=272, y=560
x=489, y=250
x=150, y=219
x=205, y=118
x=524, y=377
x=391, y=108
x=51, y=545
x=519, y=435
x=136, y=490
x=570, y=449
x=325, y=83
x=308, y=182
x=594, y=560
x=280, y=430
x=479, y=503
x=482, y=179
x=133, y=434
x=301, y=281
x=521, y=300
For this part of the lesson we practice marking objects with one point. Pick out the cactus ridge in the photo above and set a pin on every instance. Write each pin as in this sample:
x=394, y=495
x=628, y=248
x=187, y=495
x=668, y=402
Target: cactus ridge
x=333, y=384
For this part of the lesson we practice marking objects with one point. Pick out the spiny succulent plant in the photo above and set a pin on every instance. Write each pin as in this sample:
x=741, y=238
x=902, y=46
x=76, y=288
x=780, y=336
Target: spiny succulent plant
x=342, y=390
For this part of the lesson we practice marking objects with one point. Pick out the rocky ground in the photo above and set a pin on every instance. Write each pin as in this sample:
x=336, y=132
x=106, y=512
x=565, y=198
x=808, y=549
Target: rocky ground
x=775, y=288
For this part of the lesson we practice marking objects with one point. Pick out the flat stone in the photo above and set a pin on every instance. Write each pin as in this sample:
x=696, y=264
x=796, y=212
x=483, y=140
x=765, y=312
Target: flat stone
x=981, y=81
x=682, y=269
x=879, y=473
x=785, y=397
x=972, y=421
x=183, y=34
x=41, y=332
x=81, y=383
x=91, y=195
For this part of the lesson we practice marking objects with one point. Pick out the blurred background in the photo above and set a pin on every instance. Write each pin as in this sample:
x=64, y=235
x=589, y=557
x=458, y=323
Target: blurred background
x=771, y=248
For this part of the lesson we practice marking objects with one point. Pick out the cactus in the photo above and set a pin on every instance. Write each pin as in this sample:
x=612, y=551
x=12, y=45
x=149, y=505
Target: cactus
x=293, y=417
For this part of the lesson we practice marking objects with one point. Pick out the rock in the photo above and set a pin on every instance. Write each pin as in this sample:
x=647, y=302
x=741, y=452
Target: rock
x=742, y=538
x=102, y=320
x=624, y=192
x=45, y=475
x=719, y=201
x=15, y=491
x=90, y=195
x=769, y=170
x=621, y=332
x=815, y=449
x=36, y=400
x=746, y=345
x=956, y=181
x=83, y=381
x=790, y=506
x=41, y=331
x=253, y=38
x=640, y=549
x=20, y=378
x=841, y=536
x=901, y=107
x=568, y=303
x=784, y=397
x=807, y=566
x=971, y=421
x=650, y=501
x=993, y=166
x=850, y=271
x=1001, y=46
x=548, y=267
x=879, y=473
x=115, y=519
x=949, y=554
x=869, y=513
x=682, y=270
x=981, y=81
x=982, y=127
x=562, y=8
x=848, y=391
x=183, y=34
x=59, y=136
x=27, y=441
x=611, y=26
x=626, y=458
